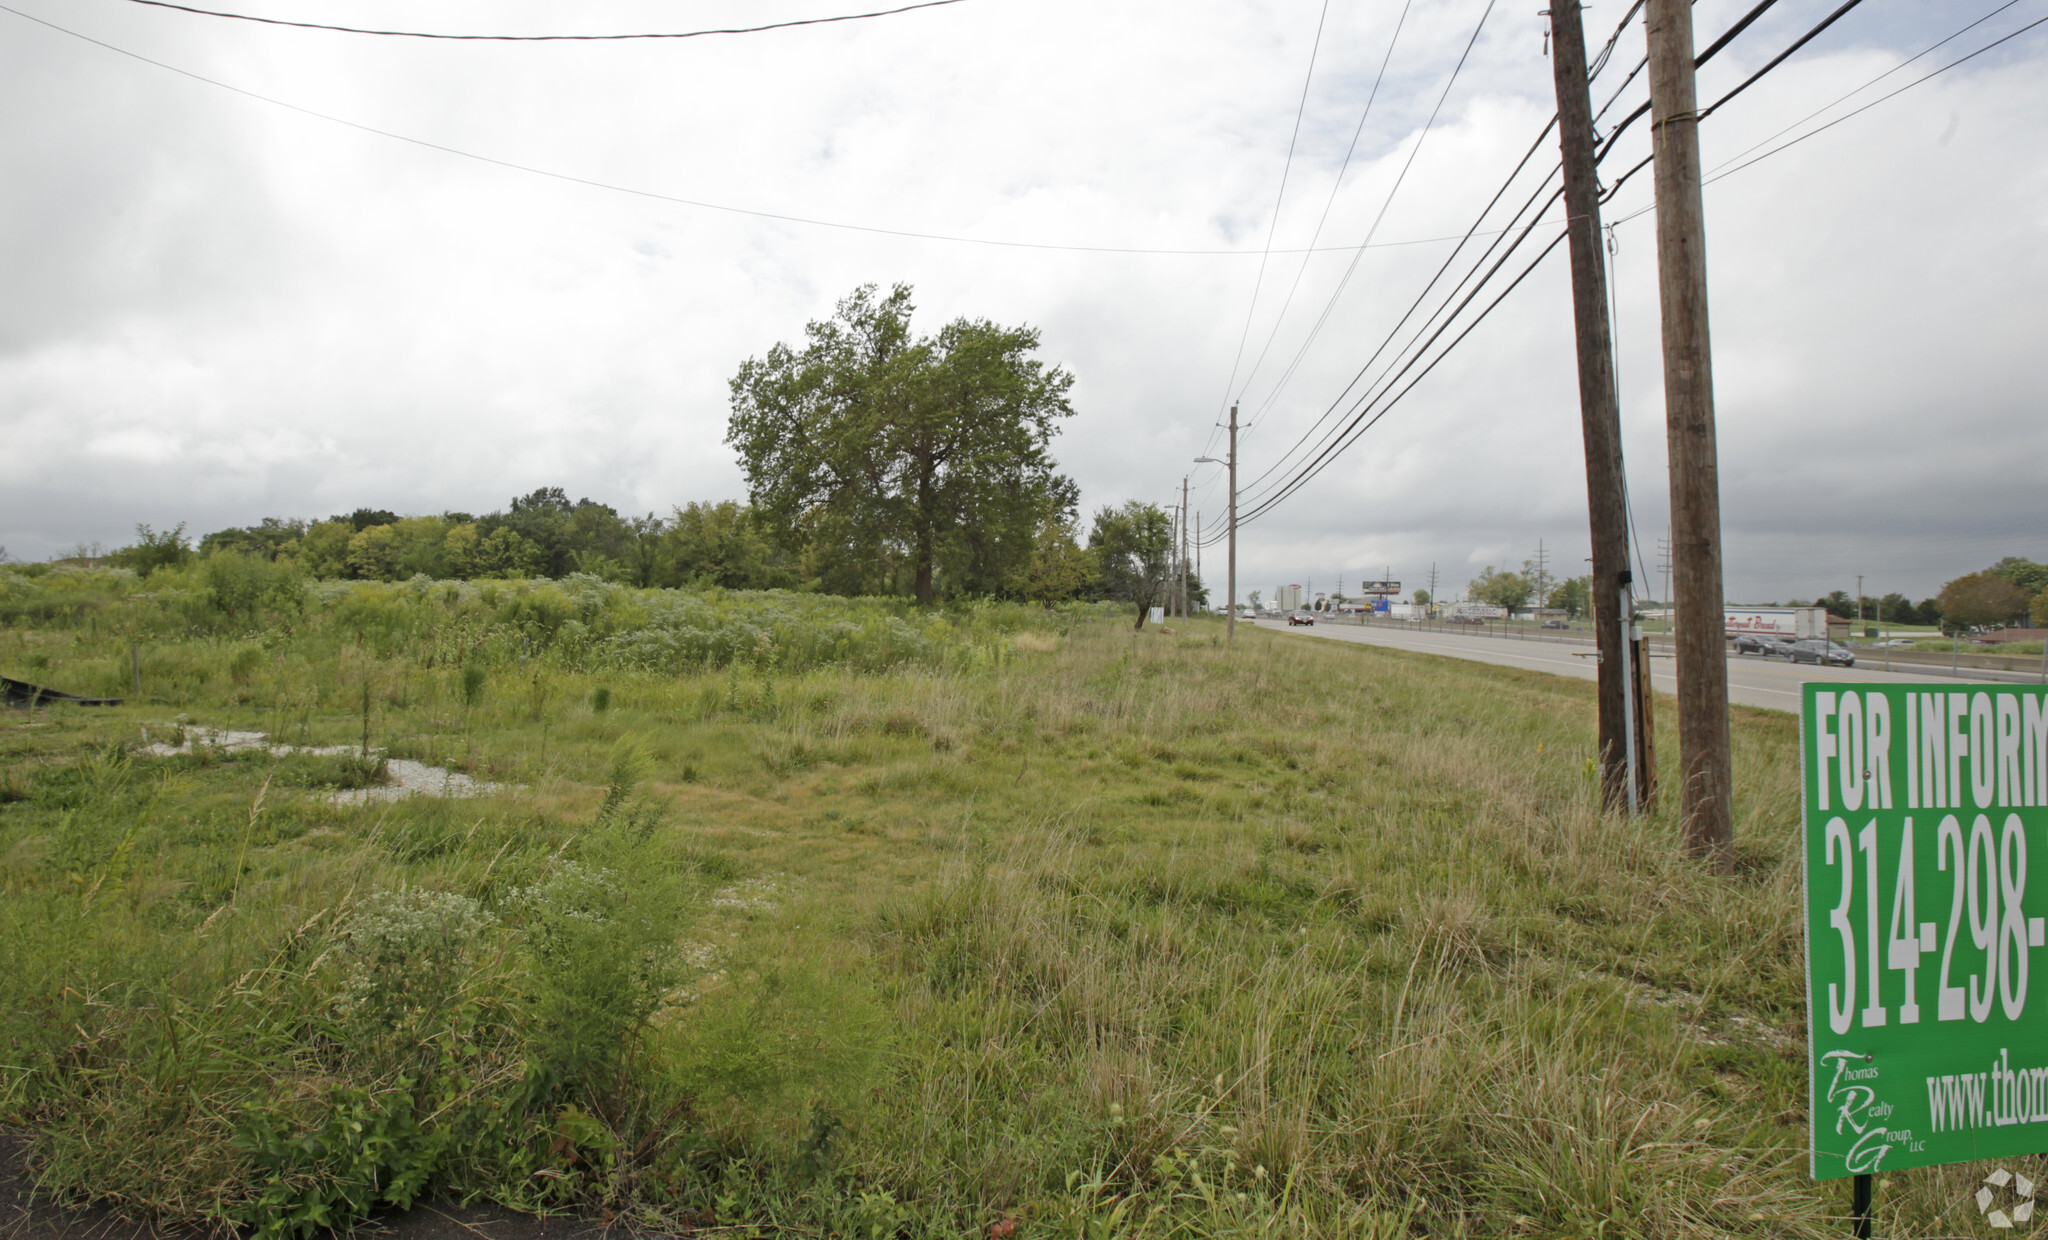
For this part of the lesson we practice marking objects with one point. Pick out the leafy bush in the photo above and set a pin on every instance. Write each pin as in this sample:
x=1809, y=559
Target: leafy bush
x=240, y=586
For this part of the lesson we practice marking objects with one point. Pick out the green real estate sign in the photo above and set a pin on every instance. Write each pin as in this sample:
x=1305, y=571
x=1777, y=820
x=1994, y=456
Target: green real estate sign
x=1926, y=881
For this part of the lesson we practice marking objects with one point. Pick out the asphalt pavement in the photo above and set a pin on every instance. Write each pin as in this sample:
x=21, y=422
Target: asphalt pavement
x=1772, y=684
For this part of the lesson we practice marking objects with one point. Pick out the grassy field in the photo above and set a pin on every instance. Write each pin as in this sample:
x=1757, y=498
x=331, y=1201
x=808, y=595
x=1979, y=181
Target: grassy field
x=822, y=917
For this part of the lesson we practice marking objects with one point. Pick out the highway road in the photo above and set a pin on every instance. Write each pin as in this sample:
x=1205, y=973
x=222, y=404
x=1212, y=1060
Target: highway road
x=1752, y=681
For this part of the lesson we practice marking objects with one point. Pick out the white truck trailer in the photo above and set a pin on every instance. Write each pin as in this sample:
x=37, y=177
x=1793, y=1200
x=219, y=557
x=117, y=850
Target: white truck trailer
x=1788, y=623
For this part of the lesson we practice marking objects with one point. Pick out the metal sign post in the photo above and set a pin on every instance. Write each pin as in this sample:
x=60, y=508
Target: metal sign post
x=1926, y=864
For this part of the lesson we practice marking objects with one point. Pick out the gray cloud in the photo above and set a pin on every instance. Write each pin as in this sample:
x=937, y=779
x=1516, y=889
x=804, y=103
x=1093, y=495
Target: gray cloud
x=222, y=310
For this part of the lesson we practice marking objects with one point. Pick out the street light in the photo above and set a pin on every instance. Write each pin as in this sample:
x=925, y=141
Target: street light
x=1230, y=587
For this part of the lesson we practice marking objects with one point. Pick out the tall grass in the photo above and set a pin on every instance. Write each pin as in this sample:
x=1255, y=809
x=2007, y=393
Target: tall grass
x=1045, y=928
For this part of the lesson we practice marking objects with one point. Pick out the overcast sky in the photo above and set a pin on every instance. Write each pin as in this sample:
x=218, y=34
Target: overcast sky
x=217, y=308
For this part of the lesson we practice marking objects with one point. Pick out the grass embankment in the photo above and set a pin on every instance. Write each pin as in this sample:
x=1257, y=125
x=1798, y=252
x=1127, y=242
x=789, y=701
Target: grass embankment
x=984, y=924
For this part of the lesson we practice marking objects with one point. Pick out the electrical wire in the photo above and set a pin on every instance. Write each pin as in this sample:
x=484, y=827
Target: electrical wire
x=1925, y=51
x=1600, y=61
x=1335, y=186
x=1389, y=200
x=1731, y=171
x=1279, y=199
x=1337, y=442
x=1780, y=58
x=1777, y=60
x=1331, y=410
x=1443, y=317
x=1470, y=232
x=655, y=196
x=1699, y=61
x=1880, y=99
x=1336, y=449
x=543, y=38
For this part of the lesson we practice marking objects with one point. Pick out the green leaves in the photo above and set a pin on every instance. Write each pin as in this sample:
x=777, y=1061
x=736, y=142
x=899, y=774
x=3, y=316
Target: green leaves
x=1132, y=546
x=890, y=456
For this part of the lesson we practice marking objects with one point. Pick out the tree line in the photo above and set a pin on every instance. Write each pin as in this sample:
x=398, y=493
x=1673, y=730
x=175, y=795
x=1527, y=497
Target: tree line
x=2012, y=592
x=878, y=462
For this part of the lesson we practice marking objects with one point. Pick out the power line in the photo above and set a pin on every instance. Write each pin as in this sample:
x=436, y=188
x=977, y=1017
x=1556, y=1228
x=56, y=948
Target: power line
x=1279, y=199
x=1470, y=232
x=1447, y=315
x=1943, y=42
x=1338, y=441
x=656, y=196
x=1781, y=57
x=1699, y=62
x=1600, y=61
x=1335, y=186
x=1384, y=205
x=1331, y=453
x=1332, y=447
x=543, y=38
x=1881, y=98
x=1420, y=297
x=1731, y=171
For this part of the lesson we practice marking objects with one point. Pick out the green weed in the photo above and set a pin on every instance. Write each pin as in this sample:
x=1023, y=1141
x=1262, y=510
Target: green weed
x=843, y=917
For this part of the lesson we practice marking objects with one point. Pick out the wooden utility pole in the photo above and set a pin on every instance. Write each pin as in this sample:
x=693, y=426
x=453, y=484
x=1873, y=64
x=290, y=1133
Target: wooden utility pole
x=1183, y=547
x=1704, y=765
x=1230, y=626
x=1599, y=407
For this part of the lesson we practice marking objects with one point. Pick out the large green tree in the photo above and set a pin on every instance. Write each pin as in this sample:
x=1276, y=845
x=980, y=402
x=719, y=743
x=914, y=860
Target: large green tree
x=1500, y=588
x=872, y=448
x=1575, y=596
x=1981, y=599
x=1133, y=547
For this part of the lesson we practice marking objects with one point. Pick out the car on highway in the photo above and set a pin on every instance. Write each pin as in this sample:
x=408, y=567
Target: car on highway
x=1555, y=624
x=1246, y=613
x=1823, y=653
x=1773, y=647
x=1300, y=617
x=1754, y=643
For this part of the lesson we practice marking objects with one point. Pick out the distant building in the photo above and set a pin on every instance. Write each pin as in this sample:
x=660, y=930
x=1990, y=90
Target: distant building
x=1287, y=598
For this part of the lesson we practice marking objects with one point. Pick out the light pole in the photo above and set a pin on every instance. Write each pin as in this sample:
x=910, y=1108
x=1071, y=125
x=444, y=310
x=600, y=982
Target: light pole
x=1230, y=584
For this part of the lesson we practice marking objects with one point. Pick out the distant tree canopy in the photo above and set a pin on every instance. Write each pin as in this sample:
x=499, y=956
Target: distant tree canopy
x=2022, y=572
x=1980, y=599
x=873, y=454
x=1500, y=588
x=1574, y=595
x=2005, y=593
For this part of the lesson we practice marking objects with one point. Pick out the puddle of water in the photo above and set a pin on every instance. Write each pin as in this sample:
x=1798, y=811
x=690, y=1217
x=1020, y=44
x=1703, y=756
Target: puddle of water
x=233, y=742
x=406, y=777
x=416, y=779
